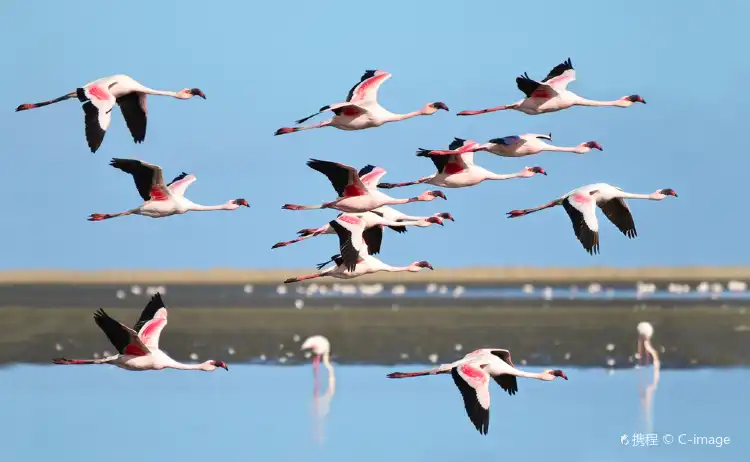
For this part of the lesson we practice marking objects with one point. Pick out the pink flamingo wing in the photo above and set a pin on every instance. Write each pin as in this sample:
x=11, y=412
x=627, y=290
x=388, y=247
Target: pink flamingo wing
x=368, y=89
x=151, y=331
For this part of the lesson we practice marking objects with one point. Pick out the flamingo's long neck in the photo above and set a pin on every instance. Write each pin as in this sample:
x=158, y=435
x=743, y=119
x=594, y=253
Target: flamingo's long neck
x=533, y=375
x=627, y=195
x=206, y=208
x=396, y=117
x=549, y=147
x=591, y=102
x=499, y=176
x=189, y=367
x=151, y=91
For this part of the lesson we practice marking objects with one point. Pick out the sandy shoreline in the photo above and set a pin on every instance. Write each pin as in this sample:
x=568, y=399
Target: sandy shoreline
x=476, y=275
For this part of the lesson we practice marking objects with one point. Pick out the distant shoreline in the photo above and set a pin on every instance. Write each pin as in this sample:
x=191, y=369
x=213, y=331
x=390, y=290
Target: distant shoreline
x=468, y=275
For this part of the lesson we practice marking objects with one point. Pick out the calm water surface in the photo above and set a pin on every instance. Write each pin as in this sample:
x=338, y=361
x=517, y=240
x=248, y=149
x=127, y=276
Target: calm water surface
x=266, y=413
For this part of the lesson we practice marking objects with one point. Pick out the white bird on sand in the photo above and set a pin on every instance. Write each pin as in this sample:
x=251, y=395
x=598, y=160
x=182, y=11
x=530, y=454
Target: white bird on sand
x=161, y=200
x=471, y=375
x=645, y=332
x=581, y=207
x=99, y=98
x=459, y=170
x=139, y=347
x=357, y=192
x=354, y=260
x=375, y=222
x=512, y=146
x=552, y=94
x=361, y=109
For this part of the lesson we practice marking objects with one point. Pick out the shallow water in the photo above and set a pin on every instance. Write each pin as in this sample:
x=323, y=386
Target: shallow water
x=265, y=413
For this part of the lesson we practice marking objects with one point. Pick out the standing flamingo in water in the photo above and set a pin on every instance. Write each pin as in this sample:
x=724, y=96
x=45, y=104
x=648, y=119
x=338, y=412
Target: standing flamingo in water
x=581, y=207
x=645, y=332
x=511, y=146
x=471, y=375
x=99, y=98
x=357, y=191
x=321, y=348
x=460, y=171
x=160, y=199
x=138, y=348
x=552, y=94
x=361, y=109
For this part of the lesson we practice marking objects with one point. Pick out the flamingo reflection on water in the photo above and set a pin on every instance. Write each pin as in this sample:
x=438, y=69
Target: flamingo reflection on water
x=321, y=350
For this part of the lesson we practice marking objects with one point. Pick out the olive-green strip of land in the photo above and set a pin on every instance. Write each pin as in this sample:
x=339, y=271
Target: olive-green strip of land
x=471, y=275
x=685, y=337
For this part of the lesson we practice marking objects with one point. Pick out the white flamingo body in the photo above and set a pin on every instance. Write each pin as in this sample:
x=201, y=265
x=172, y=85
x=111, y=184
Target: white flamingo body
x=373, y=219
x=354, y=259
x=472, y=375
x=160, y=199
x=552, y=94
x=581, y=203
x=456, y=168
x=519, y=146
x=361, y=109
x=357, y=191
x=138, y=347
x=99, y=98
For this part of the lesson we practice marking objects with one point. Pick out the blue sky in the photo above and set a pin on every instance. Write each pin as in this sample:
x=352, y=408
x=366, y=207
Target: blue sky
x=263, y=65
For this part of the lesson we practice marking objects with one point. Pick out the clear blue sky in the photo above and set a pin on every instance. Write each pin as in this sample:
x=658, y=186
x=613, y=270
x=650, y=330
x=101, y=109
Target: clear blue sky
x=263, y=65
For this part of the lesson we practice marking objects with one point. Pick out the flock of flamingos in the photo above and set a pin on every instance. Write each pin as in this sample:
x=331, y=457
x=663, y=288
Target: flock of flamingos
x=365, y=211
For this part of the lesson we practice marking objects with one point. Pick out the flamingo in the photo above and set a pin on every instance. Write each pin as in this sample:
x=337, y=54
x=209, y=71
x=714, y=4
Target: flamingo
x=139, y=347
x=99, y=98
x=645, y=332
x=161, y=200
x=552, y=94
x=354, y=260
x=471, y=375
x=361, y=109
x=357, y=191
x=580, y=205
x=459, y=170
x=514, y=146
x=375, y=221
x=321, y=350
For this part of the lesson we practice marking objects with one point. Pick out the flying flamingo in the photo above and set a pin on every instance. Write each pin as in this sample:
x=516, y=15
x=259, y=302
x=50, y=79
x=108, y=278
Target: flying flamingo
x=361, y=109
x=580, y=205
x=374, y=224
x=161, y=200
x=513, y=146
x=353, y=260
x=471, y=375
x=139, y=347
x=552, y=94
x=459, y=170
x=357, y=191
x=645, y=332
x=99, y=98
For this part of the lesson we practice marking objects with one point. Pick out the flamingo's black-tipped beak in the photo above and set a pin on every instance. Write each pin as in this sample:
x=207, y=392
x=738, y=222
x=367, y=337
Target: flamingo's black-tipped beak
x=439, y=105
x=197, y=92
